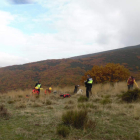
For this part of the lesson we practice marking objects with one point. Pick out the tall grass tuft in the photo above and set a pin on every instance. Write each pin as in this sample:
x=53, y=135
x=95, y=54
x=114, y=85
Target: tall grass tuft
x=4, y=112
x=75, y=118
x=131, y=95
x=62, y=130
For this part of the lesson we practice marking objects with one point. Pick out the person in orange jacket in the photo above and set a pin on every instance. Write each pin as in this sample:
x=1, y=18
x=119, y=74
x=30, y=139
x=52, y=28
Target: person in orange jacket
x=49, y=90
x=130, y=82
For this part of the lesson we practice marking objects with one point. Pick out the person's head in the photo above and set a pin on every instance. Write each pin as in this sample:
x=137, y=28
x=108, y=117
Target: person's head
x=88, y=76
x=39, y=81
x=131, y=77
x=50, y=88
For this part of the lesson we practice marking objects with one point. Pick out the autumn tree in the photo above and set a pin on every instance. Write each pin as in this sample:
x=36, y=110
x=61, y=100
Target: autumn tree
x=109, y=73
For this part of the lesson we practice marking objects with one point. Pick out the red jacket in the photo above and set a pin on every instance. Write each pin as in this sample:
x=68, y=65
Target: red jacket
x=130, y=81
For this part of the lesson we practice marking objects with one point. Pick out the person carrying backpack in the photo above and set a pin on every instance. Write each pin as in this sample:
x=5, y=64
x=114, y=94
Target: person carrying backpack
x=88, y=85
x=130, y=82
x=38, y=86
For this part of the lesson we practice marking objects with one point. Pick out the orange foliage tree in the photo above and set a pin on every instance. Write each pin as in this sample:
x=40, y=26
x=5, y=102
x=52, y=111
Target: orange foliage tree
x=109, y=73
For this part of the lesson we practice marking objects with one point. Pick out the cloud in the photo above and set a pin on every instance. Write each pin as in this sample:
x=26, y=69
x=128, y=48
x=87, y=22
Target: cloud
x=21, y=1
x=81, y=27
x=9, y=36
x=8, y=59
x=85, y=22
x=105, y=24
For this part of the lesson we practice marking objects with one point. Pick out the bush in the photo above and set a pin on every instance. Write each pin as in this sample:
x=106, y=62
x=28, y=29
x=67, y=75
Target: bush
x=3, y=112
x=82, y=99
x=131, y=95
x=63, y=130
x=77, y=119
x=110, y=72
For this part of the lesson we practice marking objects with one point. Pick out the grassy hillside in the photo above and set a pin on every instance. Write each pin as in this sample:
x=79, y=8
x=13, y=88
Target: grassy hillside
x=65, y=72
x=38, y=118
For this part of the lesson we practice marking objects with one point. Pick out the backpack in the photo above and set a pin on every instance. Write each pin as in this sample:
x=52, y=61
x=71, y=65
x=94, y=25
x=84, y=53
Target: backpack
x=65, y=95
x=34, y=91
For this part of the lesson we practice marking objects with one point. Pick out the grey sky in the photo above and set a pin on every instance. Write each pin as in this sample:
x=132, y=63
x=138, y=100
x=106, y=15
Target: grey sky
x=66, y=28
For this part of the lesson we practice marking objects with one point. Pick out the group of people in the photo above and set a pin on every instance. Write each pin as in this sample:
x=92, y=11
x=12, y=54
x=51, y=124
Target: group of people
x=89, y=82
x=38, y=87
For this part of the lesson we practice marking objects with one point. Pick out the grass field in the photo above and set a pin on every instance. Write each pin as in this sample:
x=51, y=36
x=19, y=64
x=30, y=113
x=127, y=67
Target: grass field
x=37, y=118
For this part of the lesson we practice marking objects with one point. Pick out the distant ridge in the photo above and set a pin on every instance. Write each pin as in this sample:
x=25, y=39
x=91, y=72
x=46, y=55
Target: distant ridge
x=93, y=54
x=65, y=72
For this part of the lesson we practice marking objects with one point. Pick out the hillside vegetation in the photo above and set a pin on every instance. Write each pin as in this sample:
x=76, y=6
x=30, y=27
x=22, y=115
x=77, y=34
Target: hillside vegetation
x=66, y=72
x=106, y=116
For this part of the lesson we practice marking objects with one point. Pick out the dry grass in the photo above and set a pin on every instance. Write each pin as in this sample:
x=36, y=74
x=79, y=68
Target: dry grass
x=38, y=118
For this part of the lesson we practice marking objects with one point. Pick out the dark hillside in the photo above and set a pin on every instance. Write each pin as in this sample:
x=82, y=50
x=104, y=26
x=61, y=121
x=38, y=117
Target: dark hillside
x=64, y=72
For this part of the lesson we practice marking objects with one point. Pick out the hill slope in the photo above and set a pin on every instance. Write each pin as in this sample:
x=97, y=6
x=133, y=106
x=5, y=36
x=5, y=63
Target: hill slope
x=64, y=72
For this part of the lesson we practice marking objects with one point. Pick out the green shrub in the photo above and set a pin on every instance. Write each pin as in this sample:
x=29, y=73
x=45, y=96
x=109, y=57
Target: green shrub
x=105, y=101
x=75, y=118
x=3, y=112
x=62, y=130
x=131, y=95
x=82, y=99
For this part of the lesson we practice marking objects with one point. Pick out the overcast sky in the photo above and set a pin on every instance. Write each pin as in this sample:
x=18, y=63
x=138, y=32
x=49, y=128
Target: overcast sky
x=34, y=30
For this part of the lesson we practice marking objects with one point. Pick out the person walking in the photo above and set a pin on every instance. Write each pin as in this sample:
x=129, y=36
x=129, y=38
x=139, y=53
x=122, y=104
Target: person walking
x=130, y=82
x=88, y=85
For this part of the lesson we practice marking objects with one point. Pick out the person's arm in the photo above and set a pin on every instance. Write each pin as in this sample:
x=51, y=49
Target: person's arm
x=86, y=81
x=36, y=84
x=136, y=84
x=127, y=82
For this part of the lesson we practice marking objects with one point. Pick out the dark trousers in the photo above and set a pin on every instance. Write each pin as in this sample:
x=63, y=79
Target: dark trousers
x=88, y=91
x=38, y=91
x=75, y=90
x=130, y=87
